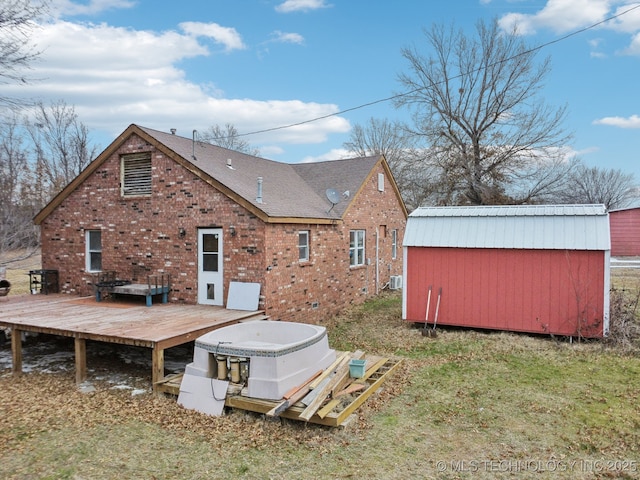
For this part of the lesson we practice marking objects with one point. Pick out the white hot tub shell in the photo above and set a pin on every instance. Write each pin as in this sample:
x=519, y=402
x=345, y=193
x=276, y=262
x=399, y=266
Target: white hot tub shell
x=279, y=355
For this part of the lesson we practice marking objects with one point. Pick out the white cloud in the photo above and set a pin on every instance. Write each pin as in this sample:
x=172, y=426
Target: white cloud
x=629, y=22
x=283, y=37
x=333, y=154
x=226, y=36
x=289, y=6
x=634, y=46
x=117, y=76
x=561, y=16
x=68, y=7
x=564, y=16
x=621, y=122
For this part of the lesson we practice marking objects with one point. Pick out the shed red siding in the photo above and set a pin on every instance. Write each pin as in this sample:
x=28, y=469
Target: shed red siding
x=625, y=232
x=557, y=292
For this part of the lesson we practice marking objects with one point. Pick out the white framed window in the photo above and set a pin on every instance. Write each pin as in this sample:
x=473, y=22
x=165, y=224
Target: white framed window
x=93, y=254
x=303, y=245
x=394, y=244
x=135, y=172
x=356, y=248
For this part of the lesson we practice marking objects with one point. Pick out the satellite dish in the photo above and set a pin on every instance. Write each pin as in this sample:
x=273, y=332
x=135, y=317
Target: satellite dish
x=333, y=195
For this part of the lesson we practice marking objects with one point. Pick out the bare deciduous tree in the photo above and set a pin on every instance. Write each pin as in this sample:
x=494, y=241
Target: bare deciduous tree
x=16, y=208
x=37, y=159
x=408, y=160
x=17, y=51
x=228, y=137
x=61, y=144
x=476, y=102
x=611, y=187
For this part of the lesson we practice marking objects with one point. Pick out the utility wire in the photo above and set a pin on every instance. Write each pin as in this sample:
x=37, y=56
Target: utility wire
x=404, y=94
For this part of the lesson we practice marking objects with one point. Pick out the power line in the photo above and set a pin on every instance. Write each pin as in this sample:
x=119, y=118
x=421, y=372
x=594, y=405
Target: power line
x=404, y=94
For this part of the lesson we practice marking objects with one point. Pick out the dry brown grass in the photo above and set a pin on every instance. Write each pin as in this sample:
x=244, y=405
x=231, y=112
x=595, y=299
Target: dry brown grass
x=17, y=269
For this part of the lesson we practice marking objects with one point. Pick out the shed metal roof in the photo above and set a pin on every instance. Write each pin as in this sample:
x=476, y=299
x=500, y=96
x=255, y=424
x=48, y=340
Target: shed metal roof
x=547, y=227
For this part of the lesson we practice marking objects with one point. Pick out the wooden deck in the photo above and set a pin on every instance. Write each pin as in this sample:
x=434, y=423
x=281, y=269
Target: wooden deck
x=129, y=323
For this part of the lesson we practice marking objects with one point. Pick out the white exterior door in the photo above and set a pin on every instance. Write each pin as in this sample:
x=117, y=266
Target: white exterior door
x=210, y=262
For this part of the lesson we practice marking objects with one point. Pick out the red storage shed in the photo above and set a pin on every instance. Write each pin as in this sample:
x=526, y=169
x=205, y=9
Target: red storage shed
x=625, y=232
x=533, y=268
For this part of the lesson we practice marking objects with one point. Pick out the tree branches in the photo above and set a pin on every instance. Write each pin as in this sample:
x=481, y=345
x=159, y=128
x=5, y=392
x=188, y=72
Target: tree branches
x=476, y=103
x=17, y=51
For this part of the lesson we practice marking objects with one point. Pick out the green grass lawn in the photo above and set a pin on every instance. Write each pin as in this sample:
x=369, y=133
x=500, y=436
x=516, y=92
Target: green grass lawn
x=466, y=404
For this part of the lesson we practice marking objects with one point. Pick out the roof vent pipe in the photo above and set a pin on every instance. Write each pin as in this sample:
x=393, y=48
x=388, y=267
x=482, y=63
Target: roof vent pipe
x=173, y=131
x=193, y=145
x=259, y=197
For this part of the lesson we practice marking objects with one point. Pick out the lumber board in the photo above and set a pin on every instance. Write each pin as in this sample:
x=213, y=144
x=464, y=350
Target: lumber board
x=329, y=370
x=341, y=373
x=371, y=370
x=354, y=387
x=80, y=347
x=263, y=406
x=324, y=411
x=293, y=396
x=349, y=409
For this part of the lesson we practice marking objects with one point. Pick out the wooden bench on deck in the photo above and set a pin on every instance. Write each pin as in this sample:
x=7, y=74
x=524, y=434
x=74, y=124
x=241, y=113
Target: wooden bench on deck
x=108, y=282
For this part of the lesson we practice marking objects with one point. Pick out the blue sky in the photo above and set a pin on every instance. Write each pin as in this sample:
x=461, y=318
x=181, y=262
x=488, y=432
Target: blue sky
x=260, y=64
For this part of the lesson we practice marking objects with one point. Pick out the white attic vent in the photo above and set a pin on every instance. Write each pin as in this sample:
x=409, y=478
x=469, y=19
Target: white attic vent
x=381, y=182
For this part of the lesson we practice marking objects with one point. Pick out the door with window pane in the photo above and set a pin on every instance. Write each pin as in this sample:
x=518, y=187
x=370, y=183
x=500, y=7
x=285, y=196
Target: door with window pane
x=210, y=262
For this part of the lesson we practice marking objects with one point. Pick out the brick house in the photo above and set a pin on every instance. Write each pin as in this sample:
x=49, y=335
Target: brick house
x=155, y=202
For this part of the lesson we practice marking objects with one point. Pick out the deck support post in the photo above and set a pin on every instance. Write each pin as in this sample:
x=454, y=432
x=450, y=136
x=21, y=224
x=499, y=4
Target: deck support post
x=81, y=359
x=16, y=351
x=157, y=366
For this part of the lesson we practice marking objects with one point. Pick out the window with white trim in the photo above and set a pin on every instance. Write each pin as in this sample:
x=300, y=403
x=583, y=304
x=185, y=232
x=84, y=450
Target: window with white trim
x=135, y=175
x=394, y=244
x=303, y=245
x=93, y=245
x=356, y=248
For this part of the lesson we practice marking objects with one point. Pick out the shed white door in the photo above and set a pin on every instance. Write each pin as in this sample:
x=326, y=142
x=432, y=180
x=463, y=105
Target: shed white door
x=210, y=266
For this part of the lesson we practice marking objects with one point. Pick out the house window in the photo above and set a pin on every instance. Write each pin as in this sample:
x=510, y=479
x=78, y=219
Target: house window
x=356, y=248
x=303, y=245
x=136, y=175
x=93, y=243
x=394, y=244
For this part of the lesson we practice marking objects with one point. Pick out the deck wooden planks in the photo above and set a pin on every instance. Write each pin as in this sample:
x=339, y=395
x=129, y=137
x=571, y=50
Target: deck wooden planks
x=159, y=327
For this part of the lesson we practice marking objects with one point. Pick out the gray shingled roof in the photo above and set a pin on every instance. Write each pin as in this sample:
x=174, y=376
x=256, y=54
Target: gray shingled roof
x=288, y=190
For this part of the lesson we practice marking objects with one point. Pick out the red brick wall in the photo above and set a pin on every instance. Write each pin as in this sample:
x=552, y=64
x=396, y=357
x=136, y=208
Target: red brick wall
x=141, y=235
x=315, y=290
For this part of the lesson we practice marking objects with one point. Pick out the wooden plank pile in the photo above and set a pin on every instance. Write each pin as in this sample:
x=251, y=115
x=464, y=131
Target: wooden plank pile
x=329, y=397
